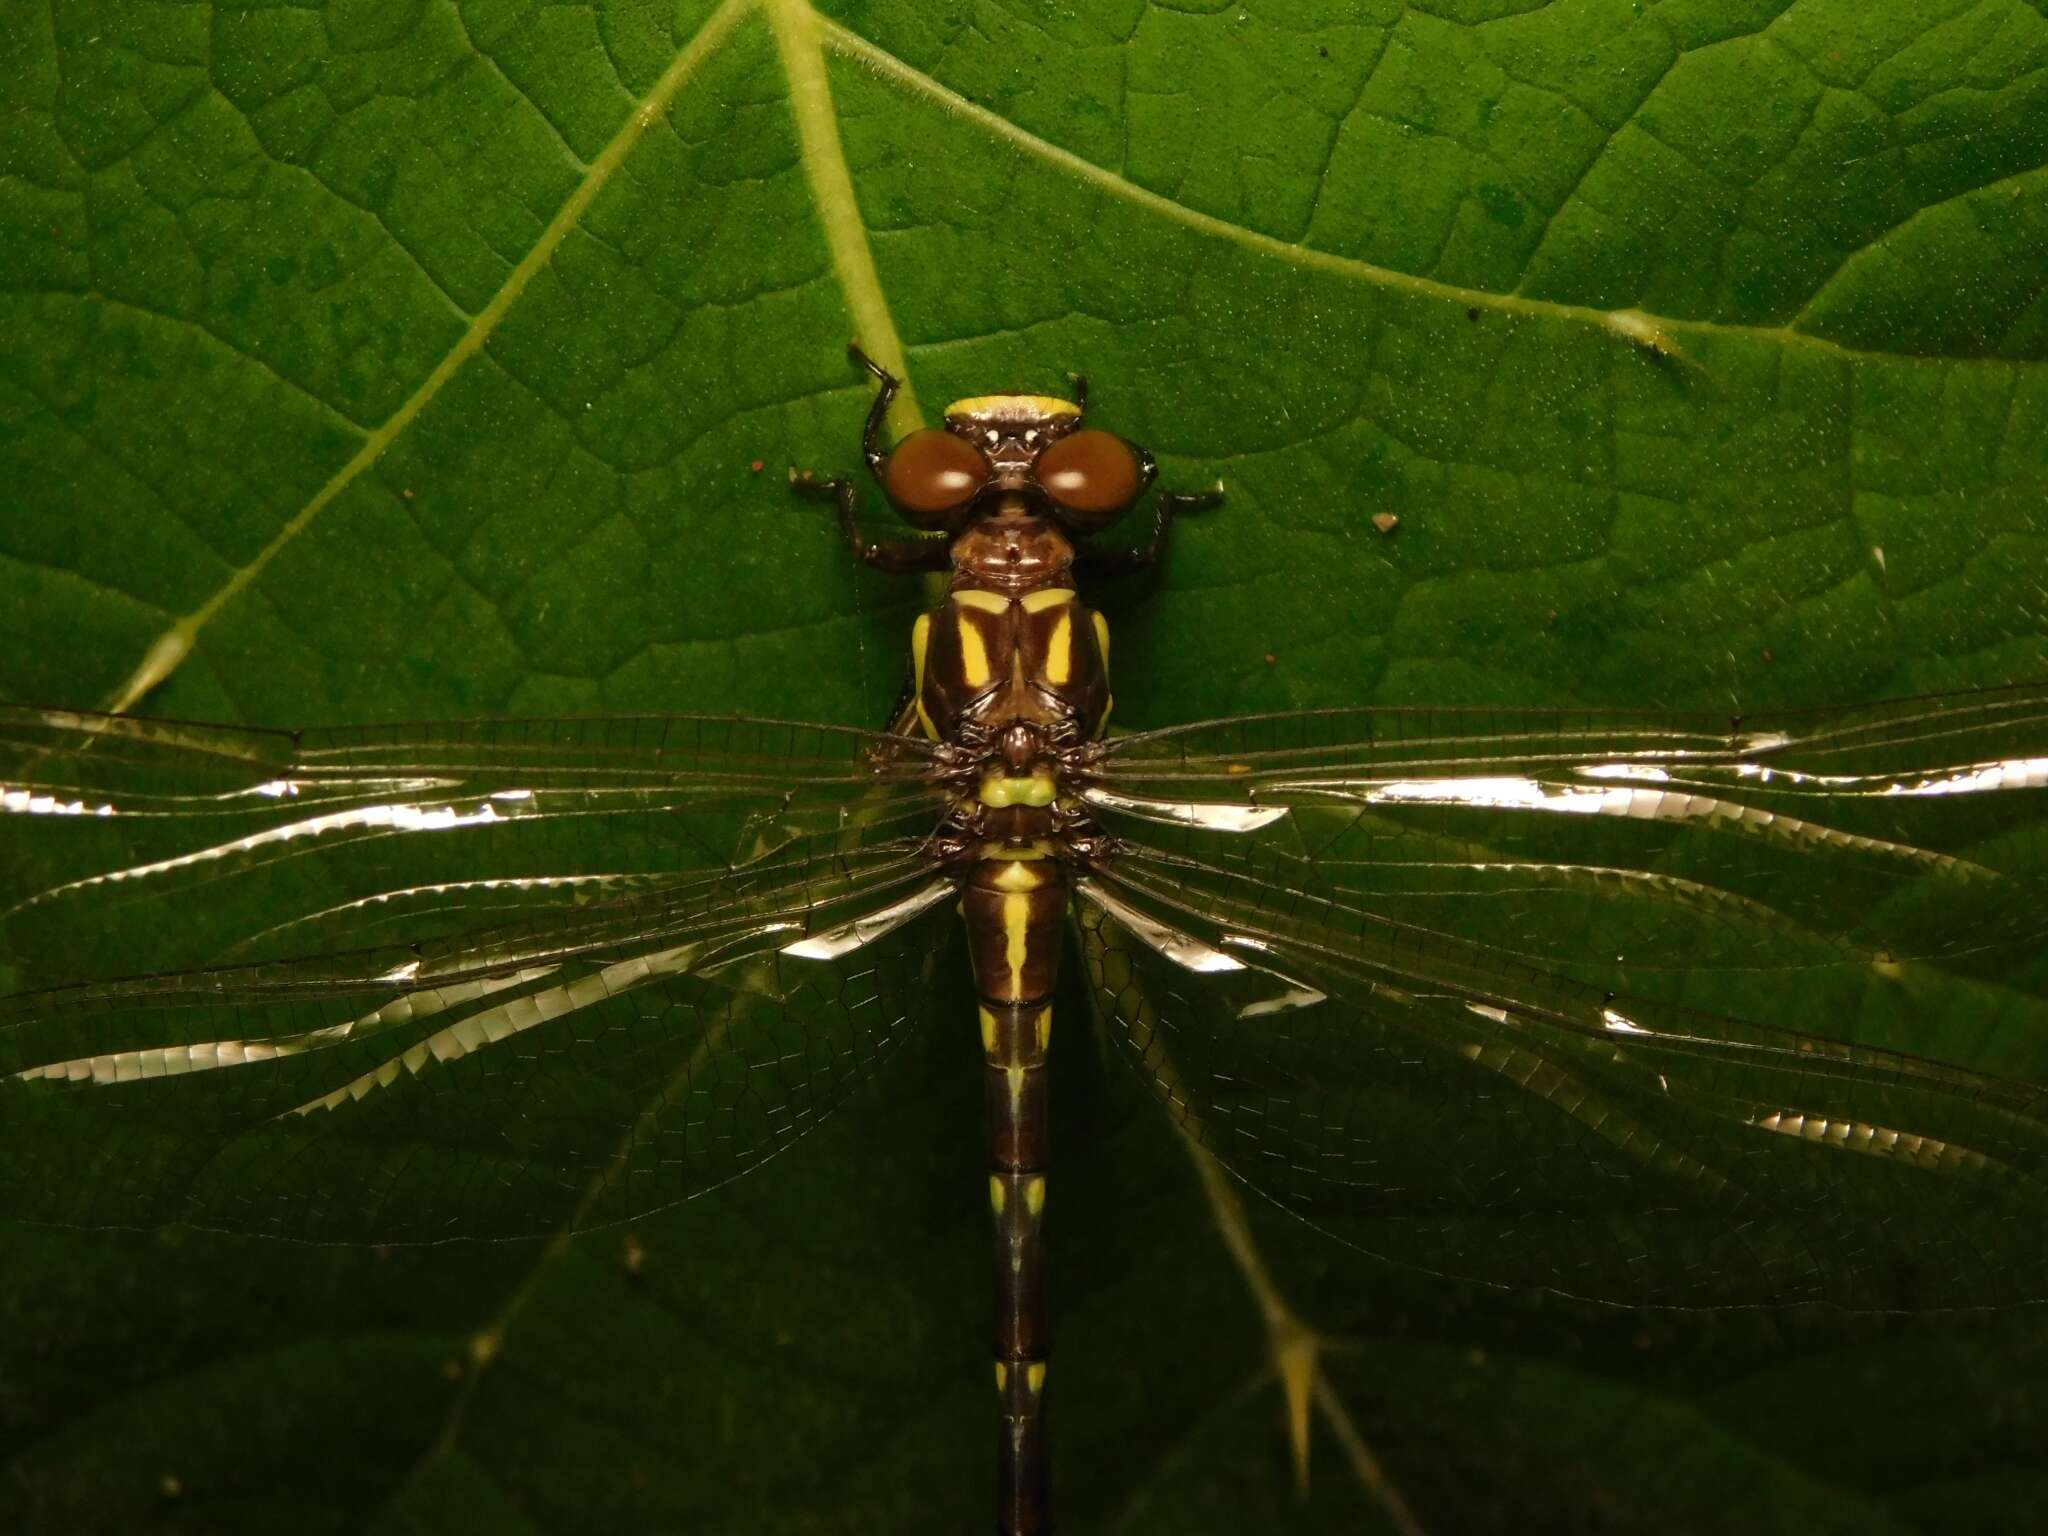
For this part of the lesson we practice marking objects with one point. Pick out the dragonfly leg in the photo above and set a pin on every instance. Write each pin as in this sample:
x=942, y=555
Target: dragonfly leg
x=1100, y=564
x=903, y=716
x=893, y=555
x=871, y=435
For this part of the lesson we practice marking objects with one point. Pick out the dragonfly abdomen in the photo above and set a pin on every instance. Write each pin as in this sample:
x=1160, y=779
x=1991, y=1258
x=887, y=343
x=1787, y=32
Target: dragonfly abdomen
x=1013, y=908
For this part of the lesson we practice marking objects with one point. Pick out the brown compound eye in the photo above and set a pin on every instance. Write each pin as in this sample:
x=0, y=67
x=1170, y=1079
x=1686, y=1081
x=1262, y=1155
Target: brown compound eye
x=1093, y=475
x=932, y=474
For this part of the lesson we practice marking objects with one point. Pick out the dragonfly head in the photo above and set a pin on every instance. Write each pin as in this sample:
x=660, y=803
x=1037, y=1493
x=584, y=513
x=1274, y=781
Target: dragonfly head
x=996, y=448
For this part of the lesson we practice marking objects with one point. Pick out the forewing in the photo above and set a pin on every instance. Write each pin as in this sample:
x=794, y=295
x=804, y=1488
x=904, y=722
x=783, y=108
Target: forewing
x=519, y=988
x=130, y=845
x=1633, y=849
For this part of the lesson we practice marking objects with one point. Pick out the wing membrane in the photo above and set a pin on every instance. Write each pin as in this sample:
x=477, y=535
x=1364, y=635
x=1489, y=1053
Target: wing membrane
x=575, y=1068
x=481, y=980
x=1621, y=846
x=155, y=842
x=1443, y=1104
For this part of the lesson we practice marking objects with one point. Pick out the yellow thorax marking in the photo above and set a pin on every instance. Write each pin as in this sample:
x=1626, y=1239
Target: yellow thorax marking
x=1102, y=647
x=1059, y=651
x=1016, y=928
x=1034, y=1377
x=986, y=602
x=1002, y=1376
x=920, y=638
x=1034, y=1196
x=997, y=1195
x=1043, y=405
x=973, y=654
x=988, y=1031
x=999, y=790
x=1044, y=1022
x=1016, y=1082
x=1046, y=597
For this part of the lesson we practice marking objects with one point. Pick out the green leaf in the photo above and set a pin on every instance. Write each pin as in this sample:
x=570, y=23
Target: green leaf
x=401, y=359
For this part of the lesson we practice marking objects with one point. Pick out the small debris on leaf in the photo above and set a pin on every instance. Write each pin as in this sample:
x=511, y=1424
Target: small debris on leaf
x=1651, y=334
x=1386, y=522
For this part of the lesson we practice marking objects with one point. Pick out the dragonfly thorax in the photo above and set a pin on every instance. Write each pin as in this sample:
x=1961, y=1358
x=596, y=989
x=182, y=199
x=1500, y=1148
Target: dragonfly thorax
x=1017, y=675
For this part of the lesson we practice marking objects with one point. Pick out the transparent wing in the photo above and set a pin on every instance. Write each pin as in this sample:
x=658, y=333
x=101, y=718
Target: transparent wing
x=1443, y=1105
x=131, y=845
x=1424, y=978
x=519, y=991
x=1622, y=846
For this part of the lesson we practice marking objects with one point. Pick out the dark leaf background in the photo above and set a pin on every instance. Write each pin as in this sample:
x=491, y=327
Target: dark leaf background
x=412, y=358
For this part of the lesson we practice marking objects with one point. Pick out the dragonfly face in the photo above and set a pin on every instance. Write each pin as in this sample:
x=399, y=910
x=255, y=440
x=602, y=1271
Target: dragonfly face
x=1421, y=976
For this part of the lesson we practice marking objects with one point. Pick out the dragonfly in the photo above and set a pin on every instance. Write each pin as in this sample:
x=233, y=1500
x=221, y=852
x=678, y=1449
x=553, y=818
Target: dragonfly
x=1419, y=976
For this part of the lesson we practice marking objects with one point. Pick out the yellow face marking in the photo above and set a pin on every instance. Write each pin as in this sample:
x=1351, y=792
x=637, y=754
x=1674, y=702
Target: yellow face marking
x=1044, y=1023
x=1014, y=851
x=1046, y=597
x=1002, y=1376
x=1016, y=926
x=1034, y=1377
x=1042, y=405
x=987, y=602
x=1059, y=651
x=920, y=638
x=997, y=1195
x=973, y=655
x=1034, y=1196
x=1019, y=877
x=988, y=1031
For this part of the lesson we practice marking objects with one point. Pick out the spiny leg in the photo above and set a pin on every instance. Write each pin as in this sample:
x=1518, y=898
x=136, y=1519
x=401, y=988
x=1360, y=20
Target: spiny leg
x=1101, y=564
x=871, y=436
x=898, y=556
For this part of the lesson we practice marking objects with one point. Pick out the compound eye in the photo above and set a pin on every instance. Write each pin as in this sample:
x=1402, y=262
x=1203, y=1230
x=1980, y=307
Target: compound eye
x=1093, y=475
x=931, y=474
